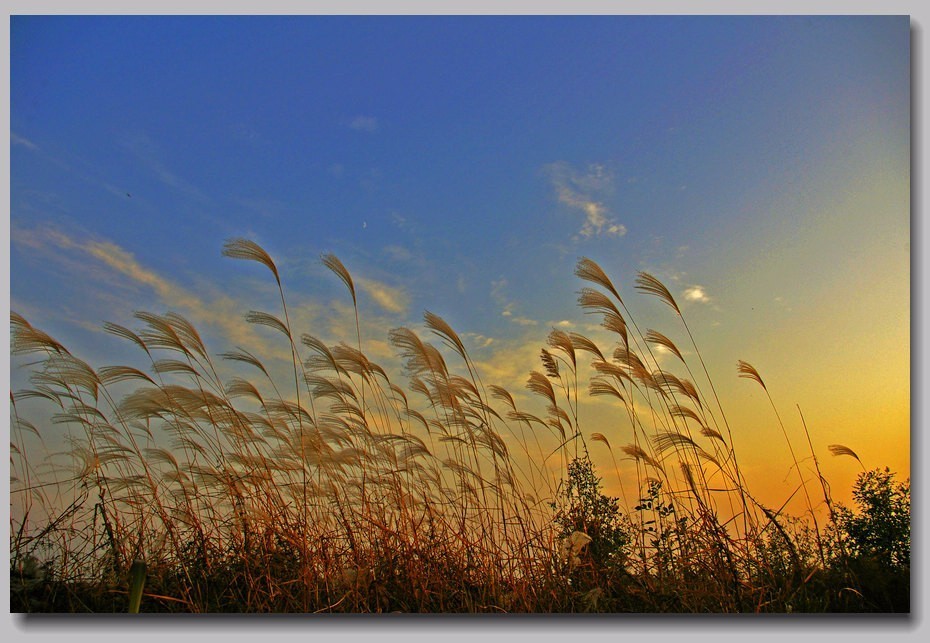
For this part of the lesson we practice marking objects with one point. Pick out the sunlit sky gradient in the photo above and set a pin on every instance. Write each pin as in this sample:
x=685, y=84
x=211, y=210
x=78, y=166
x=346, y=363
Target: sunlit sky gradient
x=759, y=166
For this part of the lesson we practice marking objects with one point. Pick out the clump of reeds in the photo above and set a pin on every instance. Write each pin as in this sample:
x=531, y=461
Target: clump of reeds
x=335, y=488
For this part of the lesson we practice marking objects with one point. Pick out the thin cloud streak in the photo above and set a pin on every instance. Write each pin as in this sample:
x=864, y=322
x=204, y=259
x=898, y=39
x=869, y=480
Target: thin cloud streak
x=580, y=191
x=364, y=124
x=25, y=142
x=147, y=151
x=393, y=300
x=220, y=312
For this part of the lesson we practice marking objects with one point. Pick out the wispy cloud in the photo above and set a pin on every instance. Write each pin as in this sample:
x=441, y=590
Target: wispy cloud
x=220, y=312
x=583, y=191
x=477, y=340
x=25, y=142
x=523, y=321
x=509, y=361
x=783, y=304
x=499, y=295
x=696, y=294
x=397, y=253
x=364, y=124
x=393, y=300
x=148, y=152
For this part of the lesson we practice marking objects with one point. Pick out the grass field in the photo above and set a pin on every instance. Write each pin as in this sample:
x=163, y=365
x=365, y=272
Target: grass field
x=336, y=485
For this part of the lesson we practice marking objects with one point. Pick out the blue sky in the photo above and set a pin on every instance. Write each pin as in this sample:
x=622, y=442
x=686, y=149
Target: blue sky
x=758, y=165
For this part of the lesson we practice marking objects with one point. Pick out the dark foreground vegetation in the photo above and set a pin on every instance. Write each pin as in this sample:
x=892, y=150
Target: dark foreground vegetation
x=324, y=486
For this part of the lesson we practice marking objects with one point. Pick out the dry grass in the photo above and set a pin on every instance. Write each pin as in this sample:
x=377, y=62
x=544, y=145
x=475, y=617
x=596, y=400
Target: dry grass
x=335, y=488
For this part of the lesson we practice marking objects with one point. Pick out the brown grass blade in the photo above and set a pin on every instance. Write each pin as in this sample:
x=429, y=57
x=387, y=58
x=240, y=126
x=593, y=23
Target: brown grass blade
x=539, y=384
x=748, y=371
x=649, y=284
x=589, y=271
x=561, y=340
x=657, y=338
x=250, y=251
x=24, y=338
x=580, y=342
x=839, y=449
x=332, y=262
x=440, y=327
x=600, y=437
x=267, y=319
x=599, y=386
x=549, y=363
x=638, y=453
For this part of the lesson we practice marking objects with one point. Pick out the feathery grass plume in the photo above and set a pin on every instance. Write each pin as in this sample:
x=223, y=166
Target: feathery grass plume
x=608, y=368
x=353, y=360
x=440, y=327
x=645, y=282
x=420, y=357
x=238, y=387
x=160, y=333
x=594, y=301
x=125, y=333
x=580, y=342
x=689, y=389
x=600, y=386
x=337, y=389
x=465, y=389
x=666, y=440
x=163, y=366
x=839, y=449
x=589, y=271
x=657, y=338
x=561, y=340
x=247, y=249
x=540, y=384
x=24, y=338
x=672, y=383
x=323, y=360
x=244, y=356
x=676, y=410
x=638, y=453
x=73, y=371
x=549, y=363
x=625, y=357
x=267, y=319
x=748, y=371
x=639, y=371
x=617, y=325
x=689, y=478
x=523, y=416
x=113, y=374
x=711, y=433
x=187, y=333
x=674, y=440
x=332, y=262
x=599, y=437
x=503, y=394
x=558, y=419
